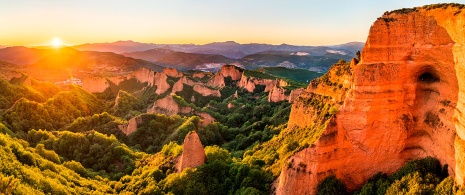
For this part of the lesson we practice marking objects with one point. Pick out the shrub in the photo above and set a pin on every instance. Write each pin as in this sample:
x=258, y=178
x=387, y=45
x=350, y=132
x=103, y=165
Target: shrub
x=331, y=185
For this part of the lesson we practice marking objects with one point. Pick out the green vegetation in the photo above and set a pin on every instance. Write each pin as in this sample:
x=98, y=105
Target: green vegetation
x=298, y=75
x=320, y=63
x=331, y=185
x=24, y=170
x=258, y=74
x=127, y=105
x=68, y=141
x=55, y=113
x=423, y=176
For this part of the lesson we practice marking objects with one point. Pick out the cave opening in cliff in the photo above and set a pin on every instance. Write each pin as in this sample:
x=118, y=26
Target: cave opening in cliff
x=428, y=77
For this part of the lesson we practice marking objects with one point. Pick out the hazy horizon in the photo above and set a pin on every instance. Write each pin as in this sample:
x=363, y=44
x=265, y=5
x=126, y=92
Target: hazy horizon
x=33, y=22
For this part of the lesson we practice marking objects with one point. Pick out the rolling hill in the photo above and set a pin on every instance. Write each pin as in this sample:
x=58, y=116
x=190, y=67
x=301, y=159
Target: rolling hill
x=179, y=60
x=58, y=64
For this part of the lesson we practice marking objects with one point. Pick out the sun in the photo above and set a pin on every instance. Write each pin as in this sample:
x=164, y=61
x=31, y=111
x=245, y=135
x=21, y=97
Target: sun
x=56, y=42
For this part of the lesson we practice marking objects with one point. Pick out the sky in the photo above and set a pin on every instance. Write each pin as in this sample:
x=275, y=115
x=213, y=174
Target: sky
x=296, y=22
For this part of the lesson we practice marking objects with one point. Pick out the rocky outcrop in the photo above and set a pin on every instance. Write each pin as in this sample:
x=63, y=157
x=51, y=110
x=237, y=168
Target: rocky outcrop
x=405, y=102
x=232, y=71
x=294, y=94
x=217, y=80
x=172, y=72
x=278, y=94
x=95, y=84
x=206, y=91
x=249, y=83
x=144, y=75
x=160, y=82
x=131, y=126
x=199, y=75
x=178, y=86
x=193, y=154
x=206, y=118
x=168, y=106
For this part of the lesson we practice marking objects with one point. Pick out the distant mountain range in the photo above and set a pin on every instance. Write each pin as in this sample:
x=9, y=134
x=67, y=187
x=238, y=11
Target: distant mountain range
x=213, y=55
x=122, y=56
x=229, y=49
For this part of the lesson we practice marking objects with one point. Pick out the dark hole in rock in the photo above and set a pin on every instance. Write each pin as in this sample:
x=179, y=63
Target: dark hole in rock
x=428, y=78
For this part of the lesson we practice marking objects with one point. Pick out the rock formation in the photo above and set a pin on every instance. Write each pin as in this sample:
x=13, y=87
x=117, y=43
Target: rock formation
x=168, y=106
x=294, y=94
x=95, y=84
x=249, y=83
x=217, y=80
x=206, y=91
x=172, y=72
x=193, y=154
x=405, y=102
x=144, y=75
x=160, y=82
x=178, y=86
x=131, y=126
x=232, y=71
x=200, y=75
x=207, y=118
x=278, y=94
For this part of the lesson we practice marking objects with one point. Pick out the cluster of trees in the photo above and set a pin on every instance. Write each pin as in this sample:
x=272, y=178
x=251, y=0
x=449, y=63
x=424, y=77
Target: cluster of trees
x=53, y=114
x=25, y=170
x=127, y=106
x=100, y=153
x=423, y=176
x=221, y=174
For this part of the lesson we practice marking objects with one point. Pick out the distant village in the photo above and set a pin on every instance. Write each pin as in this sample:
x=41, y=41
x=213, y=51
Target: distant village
x=72, y=80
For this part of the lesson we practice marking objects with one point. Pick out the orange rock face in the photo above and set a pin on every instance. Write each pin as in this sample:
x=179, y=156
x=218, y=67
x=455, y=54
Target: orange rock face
x=217, y=80
x=172, y=72
x=294, y=94
x=205, y=91
x=178, y=86
x=95, y=84
x=278, y=94
x=144, y=75
x=231, y=71
x=193, y=154
x=160, y=82
x=131, y=126
x=100, y=84
x=207, y=118
x=405, y=102
x=249, y=83
x=168, y=106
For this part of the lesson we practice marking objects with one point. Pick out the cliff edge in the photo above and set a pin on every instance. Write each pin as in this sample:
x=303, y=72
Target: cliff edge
x=405, y=101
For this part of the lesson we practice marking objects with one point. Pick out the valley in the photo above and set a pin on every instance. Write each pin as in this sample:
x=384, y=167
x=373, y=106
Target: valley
x=379, y=117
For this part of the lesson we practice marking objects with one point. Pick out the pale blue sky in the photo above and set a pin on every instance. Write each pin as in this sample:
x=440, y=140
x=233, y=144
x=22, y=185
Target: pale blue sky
x=298, y=22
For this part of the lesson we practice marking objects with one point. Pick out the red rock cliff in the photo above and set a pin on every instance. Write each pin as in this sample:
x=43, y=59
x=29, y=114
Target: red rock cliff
x=406, y=102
